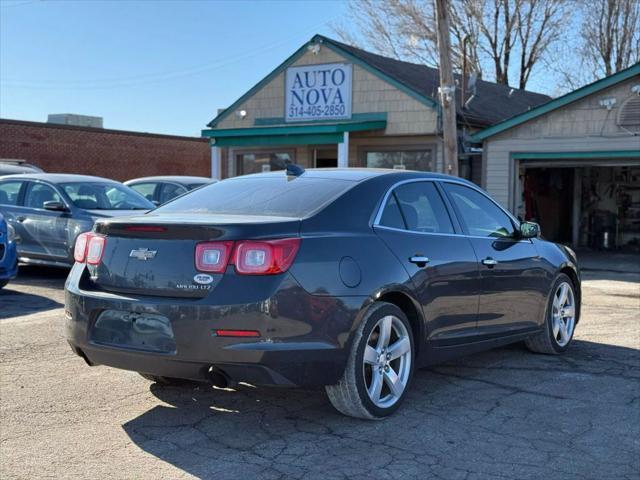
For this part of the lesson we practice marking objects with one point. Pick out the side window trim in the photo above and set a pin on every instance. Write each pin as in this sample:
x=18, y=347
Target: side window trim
x=463, y=224
x=457, y=226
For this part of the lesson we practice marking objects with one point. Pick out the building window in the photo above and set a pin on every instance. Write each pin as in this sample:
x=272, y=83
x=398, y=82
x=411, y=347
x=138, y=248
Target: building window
x=258, y=162
x=400, y=158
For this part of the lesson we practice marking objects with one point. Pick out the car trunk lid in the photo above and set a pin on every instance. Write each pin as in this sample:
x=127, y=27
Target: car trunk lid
x=155, y=254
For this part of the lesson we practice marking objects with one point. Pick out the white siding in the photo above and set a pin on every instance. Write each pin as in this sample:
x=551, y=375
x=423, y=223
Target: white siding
x=583, y=126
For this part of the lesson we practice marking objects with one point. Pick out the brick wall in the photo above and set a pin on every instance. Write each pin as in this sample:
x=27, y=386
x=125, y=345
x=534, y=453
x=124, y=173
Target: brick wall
x=115, y=154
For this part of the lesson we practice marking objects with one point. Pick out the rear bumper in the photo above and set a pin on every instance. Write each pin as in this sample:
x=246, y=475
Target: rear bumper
x=304, y=339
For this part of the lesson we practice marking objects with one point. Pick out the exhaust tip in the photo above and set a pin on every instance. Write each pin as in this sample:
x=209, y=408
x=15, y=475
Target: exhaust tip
x=219, y=378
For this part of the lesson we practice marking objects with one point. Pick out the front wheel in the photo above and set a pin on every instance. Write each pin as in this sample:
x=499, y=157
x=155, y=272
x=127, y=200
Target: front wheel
x=380, y=365
x=560, y=319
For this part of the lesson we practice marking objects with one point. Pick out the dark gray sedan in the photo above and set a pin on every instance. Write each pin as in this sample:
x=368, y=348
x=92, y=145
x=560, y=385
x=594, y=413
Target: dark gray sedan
x=344, y=278
x=160, y=190
x=48, y=211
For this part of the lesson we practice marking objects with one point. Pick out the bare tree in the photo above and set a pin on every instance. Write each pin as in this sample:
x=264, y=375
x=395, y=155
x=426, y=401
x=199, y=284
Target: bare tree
x=610, y=35
x=495, y=30
x=540, y=24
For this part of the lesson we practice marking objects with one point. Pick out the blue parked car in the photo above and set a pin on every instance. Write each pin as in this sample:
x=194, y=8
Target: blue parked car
x=8, y=257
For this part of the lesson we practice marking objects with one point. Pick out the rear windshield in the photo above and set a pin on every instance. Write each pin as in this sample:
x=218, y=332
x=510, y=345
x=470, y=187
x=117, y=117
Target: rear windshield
x=277, y=196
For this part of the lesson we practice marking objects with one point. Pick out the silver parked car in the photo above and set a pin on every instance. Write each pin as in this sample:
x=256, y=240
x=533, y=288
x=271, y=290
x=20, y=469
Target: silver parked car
x=160, y=190
x=49, y=210
x=10, y=166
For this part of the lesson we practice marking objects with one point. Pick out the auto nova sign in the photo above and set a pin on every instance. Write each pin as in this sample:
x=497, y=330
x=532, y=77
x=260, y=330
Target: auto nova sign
x=318, y=92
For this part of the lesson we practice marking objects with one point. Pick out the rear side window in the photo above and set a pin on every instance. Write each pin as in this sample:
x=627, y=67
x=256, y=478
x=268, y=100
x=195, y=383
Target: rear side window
x=169, y=191
x=391, y=216
x=147, y=190
x=262, y=195
x=9, y=193
x=422, y=208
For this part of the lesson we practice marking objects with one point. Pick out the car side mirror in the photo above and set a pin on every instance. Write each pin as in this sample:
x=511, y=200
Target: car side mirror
x=529, y=230
x=55, y=206
x=155, y=202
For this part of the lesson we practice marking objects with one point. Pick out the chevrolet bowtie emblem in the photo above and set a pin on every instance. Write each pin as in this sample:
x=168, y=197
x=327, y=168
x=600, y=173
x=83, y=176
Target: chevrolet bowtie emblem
x=142, y=253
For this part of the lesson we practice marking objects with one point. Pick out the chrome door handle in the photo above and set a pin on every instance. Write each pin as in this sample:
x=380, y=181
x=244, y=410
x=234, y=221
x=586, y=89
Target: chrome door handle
x=489, y=262
x=419, y=260
x=21, y=219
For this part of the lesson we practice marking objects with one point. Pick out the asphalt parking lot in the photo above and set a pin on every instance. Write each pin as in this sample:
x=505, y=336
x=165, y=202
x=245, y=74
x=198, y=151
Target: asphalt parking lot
x=502, y=414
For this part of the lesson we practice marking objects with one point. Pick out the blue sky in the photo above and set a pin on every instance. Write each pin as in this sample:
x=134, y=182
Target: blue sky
x=154, y=66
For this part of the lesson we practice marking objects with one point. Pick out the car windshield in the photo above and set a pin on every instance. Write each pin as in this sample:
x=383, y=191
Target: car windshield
x=269, y=195
x=105, y=196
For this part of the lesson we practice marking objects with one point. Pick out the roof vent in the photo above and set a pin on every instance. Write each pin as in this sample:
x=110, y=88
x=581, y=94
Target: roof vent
x=629, y=115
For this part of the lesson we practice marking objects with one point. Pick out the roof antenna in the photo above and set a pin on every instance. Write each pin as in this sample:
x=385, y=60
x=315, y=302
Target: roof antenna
x=294, y=170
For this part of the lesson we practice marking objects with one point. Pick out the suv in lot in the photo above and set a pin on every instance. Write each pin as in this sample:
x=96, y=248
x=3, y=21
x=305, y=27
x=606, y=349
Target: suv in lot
x=11, y=166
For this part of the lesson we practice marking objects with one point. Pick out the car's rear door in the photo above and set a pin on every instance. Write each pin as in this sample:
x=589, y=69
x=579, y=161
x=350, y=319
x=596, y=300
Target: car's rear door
x=416, y=225
x=514, y=284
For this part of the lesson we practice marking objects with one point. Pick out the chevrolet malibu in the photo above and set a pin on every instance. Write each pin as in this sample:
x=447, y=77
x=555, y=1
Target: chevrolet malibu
x=349, y=279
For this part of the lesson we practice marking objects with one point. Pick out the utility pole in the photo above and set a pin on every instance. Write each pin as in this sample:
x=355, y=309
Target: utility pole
x=447, y=90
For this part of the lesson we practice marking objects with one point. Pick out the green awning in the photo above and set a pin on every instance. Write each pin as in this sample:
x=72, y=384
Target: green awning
x=296, y=134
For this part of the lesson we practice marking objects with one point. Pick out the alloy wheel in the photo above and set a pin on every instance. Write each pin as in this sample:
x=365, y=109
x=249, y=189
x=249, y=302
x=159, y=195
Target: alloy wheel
x=563, y=314
x=387, y=361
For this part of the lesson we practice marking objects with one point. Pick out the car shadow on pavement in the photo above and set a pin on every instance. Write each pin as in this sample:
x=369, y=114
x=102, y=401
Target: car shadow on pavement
x=16, y=304
x=22, y=295
x=504, y=412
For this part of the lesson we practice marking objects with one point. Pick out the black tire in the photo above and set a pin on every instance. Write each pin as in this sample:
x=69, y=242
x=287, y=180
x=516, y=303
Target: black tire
x=349, y=396
x=545, y=341
x=167, y=380
x=3, y=283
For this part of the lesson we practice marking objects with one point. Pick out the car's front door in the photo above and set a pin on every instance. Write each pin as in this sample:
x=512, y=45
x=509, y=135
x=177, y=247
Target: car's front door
x=514, y=284
x=417, y=227
x=45, y=230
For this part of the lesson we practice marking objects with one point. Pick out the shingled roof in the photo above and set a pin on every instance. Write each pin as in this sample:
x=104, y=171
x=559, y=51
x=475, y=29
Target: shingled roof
x=491, y=104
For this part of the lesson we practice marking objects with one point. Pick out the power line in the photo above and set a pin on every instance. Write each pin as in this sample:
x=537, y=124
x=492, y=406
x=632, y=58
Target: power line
x=148, y=78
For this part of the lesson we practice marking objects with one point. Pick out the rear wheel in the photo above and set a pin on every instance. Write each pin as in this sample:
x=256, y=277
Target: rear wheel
x=560, y=319
x=380, y=365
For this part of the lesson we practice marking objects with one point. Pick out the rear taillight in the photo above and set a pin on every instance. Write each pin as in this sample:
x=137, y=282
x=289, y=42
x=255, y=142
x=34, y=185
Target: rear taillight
x=89, y=247
x=265, y=257
x=250, y=257
x=80, y=250
x=213, y=256
x=95, y=249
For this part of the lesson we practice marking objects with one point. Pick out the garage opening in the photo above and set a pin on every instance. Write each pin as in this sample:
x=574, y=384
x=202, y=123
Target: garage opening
x=586, y=206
